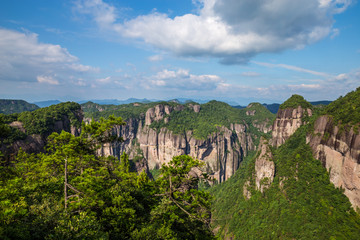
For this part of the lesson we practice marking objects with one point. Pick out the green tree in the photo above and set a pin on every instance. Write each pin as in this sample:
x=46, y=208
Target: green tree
x=183, y=211
x=70, y=192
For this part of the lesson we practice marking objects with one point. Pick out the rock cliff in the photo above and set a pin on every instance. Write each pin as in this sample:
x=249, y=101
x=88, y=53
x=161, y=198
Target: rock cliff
x=221, y=151
x=339, y=151
x=338, y=148
x=264, y=166
x=287, y=122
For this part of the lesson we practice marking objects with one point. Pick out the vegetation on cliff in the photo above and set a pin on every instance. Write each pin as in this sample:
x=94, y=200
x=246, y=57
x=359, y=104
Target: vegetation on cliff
x=69, y=192
x=295, y=101
x=9, y=134
x=211, y=116
x=345, y=110
x=8, y=106
x=301, y=203
x=42, y=120
x=125, y=111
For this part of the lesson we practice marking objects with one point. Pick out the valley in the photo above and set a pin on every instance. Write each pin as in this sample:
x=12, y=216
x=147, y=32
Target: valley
x=290, y=176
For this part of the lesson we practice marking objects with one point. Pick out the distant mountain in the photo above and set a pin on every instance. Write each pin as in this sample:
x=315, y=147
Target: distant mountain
x=239, y=107
x=116, y=101
x=321, y=103
x=274, y=107
x=47, y=103
x=8, y=106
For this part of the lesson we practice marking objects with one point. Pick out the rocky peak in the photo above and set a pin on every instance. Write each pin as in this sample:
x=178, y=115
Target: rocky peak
x=195, y=107
x=287, y=121
x=157, y=113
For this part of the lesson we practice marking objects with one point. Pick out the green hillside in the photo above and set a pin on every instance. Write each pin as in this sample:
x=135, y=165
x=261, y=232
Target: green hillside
x=212, y=115
x=8, y=106
x=301, y=203
x=294, y=101
x=345, y=109
x=126, y=111
x=41, y=121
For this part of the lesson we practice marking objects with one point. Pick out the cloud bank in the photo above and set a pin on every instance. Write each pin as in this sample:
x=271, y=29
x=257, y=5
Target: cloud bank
x=231, y=30
x=24, y=58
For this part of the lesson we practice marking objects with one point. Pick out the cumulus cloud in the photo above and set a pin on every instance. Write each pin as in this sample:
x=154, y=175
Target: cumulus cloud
x=231, y=30
x=182, y=79
x=24, y=58
x=47, y=79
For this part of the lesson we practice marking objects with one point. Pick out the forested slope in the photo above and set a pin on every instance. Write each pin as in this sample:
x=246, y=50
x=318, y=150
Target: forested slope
x=8, y=106
x=300, y=201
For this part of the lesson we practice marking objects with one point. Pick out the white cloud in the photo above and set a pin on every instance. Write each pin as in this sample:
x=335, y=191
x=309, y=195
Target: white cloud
x=104, y=80
x=155, y=58
x=293, y=68
x=231, y=30
x=24, y=58
x=47, y=79
x=182, y=79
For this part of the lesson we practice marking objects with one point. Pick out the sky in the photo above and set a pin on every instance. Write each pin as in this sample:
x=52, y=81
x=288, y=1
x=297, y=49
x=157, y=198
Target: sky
x=230, y=50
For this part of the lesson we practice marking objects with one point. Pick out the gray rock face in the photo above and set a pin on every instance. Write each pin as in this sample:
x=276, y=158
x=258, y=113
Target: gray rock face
x=222, y=151
x=339, y=152
x=286, y=123
x=264, y=167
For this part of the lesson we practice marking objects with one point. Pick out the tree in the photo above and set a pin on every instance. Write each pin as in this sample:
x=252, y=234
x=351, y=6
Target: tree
x=70, y=192
x=183, y=211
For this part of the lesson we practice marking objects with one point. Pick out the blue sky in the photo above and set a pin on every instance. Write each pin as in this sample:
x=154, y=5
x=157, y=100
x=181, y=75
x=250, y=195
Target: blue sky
x=234, y=50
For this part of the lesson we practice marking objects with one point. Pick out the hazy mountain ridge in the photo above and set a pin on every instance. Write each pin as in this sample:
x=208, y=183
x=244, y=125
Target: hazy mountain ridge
x=9, y=106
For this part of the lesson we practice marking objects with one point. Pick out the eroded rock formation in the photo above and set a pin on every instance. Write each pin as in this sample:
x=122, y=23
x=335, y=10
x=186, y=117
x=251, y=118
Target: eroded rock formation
x=339, y=151
x=222, y=151
x=264, y=166
x=287, y=122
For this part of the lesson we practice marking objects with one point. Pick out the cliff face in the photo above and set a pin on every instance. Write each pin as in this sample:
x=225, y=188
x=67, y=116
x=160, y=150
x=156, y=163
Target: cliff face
x=222, y=151
x=337, y=149
x=339, y=152
x=287, y=122
x=264, y=167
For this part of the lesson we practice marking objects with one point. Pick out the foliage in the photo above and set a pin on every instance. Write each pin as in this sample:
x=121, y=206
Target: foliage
x=9, y=134
x=133, y=110
x=70, y=192
x=345, y=110
x=294, y=101
x=211, y=117
x=42, y=121
x=301, y=203
x=9, y=106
